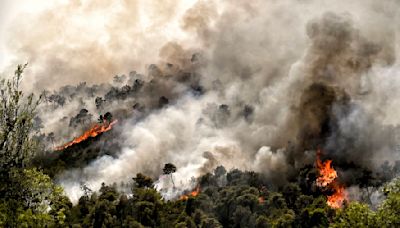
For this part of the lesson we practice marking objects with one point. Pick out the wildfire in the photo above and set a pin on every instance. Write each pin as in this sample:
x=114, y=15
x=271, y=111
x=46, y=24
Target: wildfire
x=326, y=172
x=193, y=193
x=337, y=199
x=91, y=133
x=328, y=179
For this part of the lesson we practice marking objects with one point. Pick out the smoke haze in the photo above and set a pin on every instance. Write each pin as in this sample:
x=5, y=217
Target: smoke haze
x=254, y=85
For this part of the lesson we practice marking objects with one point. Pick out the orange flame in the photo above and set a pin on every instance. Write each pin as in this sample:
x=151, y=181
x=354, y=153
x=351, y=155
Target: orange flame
x=261, y=200
x=337, y=199
x=327, y=173
x=328, y=179
x=91, y=133
x=193, y=193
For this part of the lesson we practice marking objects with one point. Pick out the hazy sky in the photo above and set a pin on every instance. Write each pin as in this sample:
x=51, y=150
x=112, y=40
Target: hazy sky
x=9, y=11
x=6, y=11
x=92, y=40
x=117, y=36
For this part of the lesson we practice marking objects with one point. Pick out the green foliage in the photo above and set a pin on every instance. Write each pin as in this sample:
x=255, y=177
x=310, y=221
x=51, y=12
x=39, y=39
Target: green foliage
x=16, y=145
x=392, y=187
x=360, y=215
x=38, y=190
x=354, y=215
x=16, y=121
x=143, y=181
x=388, y=214
x=228, y=206
x=210, y=223
x=28, y=198
x=29, y=219
x=40, y=202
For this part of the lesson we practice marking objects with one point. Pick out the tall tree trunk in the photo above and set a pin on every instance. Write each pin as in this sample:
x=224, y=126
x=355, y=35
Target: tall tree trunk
x=172, y=179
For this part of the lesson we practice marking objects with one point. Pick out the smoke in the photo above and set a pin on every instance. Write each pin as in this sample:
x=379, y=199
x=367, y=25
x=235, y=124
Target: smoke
x=251, y=85
x=76, y=41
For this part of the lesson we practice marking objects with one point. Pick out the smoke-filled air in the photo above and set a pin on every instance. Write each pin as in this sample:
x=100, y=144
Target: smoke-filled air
x=200, y=97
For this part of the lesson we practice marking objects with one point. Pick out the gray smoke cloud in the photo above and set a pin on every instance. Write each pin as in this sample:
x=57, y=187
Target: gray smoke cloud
x=254, y=85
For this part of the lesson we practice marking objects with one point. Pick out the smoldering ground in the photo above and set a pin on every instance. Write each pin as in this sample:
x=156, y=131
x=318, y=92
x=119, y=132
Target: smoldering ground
x=252, y=85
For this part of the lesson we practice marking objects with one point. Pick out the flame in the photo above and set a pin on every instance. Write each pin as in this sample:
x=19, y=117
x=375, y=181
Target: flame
x=337, y=199
x=327, y=173
x=193, y=193
x=328, y=179
x=91, y=133
x=261, y=200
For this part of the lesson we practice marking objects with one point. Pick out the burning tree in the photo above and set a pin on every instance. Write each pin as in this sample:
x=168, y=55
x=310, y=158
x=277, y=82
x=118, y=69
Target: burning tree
x=328, y=179
x=105, y=124
x=193, y=193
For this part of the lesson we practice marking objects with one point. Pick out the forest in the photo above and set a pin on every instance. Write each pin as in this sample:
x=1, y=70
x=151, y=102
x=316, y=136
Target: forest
x=29, y=196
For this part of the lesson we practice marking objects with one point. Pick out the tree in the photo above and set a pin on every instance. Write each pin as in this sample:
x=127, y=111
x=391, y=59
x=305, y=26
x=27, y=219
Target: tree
x=17, y=147
x=86, y=190
x=354, y=215
x=143, y=181
x=210, y=223
x=41, y=202
x=106, y=119
x=51, y=138
x=100, y=211
x=99, y=101
x=220, y=171
x=243, y=217
x=147, y=206
x=388, y=214
x=16, y=121
x=82, y=118
x=291, y=193
x=56, y=99
x=169, y=169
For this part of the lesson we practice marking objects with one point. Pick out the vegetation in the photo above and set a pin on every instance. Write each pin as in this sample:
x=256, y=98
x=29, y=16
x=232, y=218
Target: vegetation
x=29, y=198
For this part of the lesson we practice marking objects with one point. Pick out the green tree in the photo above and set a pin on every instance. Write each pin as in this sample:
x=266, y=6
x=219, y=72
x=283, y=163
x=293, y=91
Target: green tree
x=354, y=215
x=209, y=222
x=143, y=181
x=42, y=203
x=148, y=206
x=388, y=214
x=312, y=212
x=21, y=191
x=16, y=121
